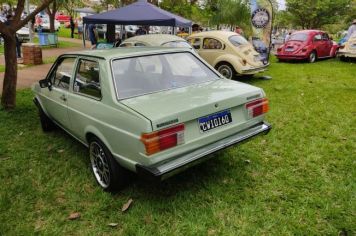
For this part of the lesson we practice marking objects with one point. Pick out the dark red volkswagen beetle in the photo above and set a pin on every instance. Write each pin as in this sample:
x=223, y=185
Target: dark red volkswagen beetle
x=307, y=45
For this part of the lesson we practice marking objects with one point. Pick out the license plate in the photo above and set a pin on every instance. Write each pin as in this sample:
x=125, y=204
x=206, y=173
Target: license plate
x=215, y=120
x=289, y=49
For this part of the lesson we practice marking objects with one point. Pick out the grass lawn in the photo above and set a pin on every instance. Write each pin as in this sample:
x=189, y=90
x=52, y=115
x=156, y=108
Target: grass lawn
x=2, y=68
x=61, y=44
x=297, y=180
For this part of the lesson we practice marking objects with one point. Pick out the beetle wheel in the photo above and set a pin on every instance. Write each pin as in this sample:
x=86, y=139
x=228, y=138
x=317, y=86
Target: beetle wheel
x=226, y=70
x=312, y=57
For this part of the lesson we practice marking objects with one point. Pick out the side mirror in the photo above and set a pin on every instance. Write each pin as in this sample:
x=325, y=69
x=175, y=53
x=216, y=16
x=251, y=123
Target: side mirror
x=45, y=83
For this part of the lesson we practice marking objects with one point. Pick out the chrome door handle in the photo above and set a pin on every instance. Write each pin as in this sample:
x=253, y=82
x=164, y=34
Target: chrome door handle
x=63, y=97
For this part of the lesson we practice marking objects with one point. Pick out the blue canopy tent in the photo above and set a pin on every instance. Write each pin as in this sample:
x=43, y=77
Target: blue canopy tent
x=138, y=13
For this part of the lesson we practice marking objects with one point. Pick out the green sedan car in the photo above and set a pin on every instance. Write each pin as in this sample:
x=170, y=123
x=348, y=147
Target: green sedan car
x=153, y=111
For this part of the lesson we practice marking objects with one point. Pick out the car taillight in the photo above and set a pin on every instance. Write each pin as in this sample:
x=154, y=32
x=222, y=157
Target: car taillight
x=257, y=107
x=279, y=49
x=163, y=139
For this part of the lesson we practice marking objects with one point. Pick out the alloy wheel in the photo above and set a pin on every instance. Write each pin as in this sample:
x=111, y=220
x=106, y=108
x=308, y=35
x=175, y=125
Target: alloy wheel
x=99, y=164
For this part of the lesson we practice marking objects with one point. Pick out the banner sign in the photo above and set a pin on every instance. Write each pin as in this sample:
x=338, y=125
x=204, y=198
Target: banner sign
x=261, y=21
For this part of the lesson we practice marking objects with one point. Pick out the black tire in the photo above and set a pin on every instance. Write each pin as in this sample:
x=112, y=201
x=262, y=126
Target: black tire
x=46, y=123
x=226, y=70
x=110, y=176
x=343, y=58
x=312, y=57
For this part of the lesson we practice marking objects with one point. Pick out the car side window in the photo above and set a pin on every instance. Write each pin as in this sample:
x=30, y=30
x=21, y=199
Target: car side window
x=87, y=79
x=210, y=43
x=317, y=38
x=61, y=75
x=195, y=42
x=325, y=37
x=125, y=45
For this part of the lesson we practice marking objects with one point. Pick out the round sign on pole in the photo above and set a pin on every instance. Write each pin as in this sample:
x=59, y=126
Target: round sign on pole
x=260, y=18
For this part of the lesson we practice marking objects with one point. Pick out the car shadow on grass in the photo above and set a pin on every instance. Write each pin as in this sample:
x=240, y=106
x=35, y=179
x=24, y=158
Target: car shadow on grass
x=219, y=169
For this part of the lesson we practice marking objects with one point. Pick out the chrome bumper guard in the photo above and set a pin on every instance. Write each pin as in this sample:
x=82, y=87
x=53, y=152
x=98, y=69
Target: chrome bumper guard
x=259, y=69
x=163, y=171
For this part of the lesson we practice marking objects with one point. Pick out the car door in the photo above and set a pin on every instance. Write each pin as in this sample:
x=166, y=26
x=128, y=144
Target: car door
x=211, y=49
x=56, y=97
x=85, y=99
x=319, y=45
x=327, y=44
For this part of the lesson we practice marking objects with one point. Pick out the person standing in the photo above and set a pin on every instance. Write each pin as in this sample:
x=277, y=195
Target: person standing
x=140, y=31
x=92, y=36
x=238, y=30
x=287, y=37
x=72, y=26
x=39, y=23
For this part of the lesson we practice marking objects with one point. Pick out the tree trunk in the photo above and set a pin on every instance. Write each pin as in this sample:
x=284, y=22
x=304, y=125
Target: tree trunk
x=8, y=98
x=51, y=23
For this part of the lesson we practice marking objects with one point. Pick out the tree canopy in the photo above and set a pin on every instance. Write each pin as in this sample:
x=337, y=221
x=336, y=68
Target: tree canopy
x=309, y=14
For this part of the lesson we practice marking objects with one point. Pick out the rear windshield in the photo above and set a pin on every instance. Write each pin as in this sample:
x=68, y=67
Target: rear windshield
x=149, y=74
x=177, y=44
x=298, y=37
x=238, y=40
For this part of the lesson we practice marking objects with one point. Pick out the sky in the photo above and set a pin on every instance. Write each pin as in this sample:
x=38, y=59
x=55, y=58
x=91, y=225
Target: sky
x=282, y=4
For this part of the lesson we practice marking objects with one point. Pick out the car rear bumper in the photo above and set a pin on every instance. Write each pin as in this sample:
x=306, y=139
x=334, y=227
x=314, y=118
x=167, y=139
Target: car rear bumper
x=254, y=70
x=346, y=54
x=291, y=57
x=163, y=171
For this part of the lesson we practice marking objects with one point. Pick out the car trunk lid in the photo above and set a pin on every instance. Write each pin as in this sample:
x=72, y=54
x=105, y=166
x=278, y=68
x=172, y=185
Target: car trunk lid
x=292, y=46
x=187, y=104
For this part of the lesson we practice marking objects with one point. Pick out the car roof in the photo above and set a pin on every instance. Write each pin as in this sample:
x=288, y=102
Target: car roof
x=214, y=33
x=126, y=52
x=154, y=39
x=309, y=31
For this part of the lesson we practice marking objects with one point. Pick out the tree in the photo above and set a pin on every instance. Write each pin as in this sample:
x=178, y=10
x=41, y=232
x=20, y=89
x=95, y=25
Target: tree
x=51, y=11
x=8, y=32
x=230, y=12
x=310, y=14
x=71, y=5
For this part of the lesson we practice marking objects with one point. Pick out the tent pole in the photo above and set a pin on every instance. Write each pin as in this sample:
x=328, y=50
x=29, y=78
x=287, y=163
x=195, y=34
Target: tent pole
x=121, y=31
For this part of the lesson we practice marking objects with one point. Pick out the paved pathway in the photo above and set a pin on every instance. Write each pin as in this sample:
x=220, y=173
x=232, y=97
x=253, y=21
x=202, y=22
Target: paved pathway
x=27, y=76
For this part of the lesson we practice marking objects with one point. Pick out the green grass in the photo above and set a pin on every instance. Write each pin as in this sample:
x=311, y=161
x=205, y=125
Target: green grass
x=64, y=32
x=2, y=68
x=61, y=44
x=297, y=180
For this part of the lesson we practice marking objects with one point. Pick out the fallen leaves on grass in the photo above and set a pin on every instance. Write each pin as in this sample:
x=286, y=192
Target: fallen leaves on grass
x=74, y=216
x=113, y=224
x=60, y=150
x=127, y=205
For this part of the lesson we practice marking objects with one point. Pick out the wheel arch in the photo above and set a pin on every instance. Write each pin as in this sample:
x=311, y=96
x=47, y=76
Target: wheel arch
x=234, y=61
x=39, y=105
x=92, y=132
